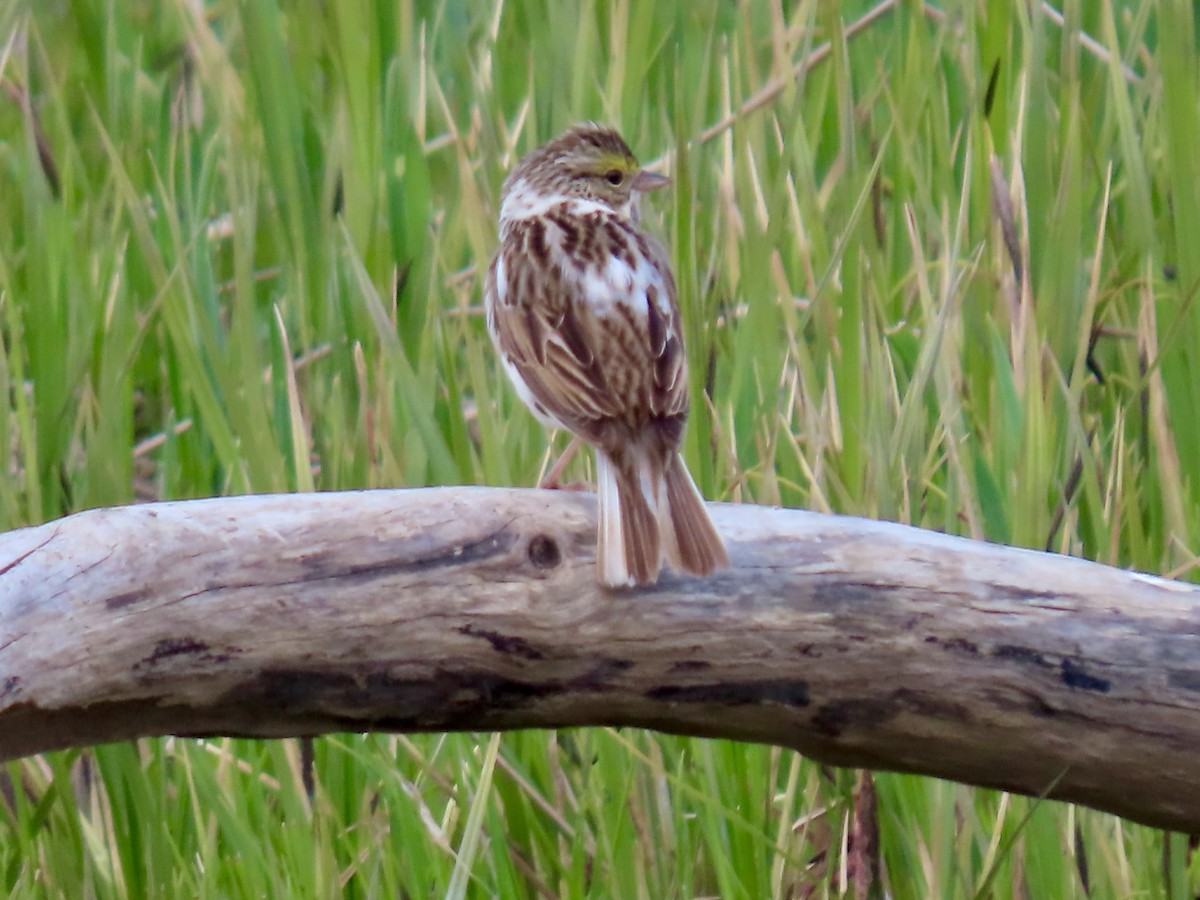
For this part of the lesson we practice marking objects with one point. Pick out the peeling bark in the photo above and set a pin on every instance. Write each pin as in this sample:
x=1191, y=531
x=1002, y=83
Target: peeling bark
x=857, y=643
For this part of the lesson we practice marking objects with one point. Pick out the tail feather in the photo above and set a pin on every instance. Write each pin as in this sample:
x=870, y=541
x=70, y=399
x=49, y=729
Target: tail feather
x=648, y=513
x=628, y=550
x=690, y=540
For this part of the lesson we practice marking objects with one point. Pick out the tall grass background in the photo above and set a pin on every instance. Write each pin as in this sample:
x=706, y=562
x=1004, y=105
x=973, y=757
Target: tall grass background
x=938, y=267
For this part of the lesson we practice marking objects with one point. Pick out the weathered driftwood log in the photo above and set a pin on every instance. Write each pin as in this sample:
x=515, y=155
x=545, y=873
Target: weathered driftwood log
x=855, y=642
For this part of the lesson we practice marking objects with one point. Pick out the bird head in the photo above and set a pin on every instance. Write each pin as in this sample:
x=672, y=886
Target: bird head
x=586, y=162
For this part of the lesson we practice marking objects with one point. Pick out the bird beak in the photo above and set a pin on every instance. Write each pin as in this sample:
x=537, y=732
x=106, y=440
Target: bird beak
x=646, y=180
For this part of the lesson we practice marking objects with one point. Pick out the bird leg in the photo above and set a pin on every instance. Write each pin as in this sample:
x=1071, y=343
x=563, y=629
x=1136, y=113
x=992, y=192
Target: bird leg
x=550, y=481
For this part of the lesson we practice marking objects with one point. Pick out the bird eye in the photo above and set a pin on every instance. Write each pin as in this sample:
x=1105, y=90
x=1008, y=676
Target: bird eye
x=614, y=177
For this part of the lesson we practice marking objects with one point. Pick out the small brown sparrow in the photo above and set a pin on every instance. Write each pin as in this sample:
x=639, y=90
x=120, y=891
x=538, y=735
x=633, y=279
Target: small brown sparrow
x=581, y=307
